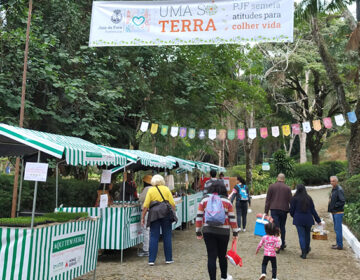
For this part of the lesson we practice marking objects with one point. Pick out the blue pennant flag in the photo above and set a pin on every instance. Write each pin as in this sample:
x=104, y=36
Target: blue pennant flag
x=352, y=117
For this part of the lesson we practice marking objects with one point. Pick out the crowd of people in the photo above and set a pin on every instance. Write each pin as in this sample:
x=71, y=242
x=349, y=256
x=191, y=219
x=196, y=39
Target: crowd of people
x=217, y=219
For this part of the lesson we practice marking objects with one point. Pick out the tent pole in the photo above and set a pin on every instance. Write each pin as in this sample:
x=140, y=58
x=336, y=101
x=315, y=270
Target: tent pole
x=122, y=226
x=34, y=201
x=57, y=186
x=20, y=187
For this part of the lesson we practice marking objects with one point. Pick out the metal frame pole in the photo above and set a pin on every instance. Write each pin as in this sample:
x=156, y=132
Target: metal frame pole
x=57, y=186
x=20, y=187
x=122, y=226
x=34, y=201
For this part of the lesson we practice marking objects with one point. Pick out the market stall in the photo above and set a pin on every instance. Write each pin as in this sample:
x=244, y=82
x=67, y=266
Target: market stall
x=55, y=251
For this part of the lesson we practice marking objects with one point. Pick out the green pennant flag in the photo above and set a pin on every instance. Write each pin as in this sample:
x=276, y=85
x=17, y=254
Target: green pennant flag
x=164, y=130
x=191, y=134
x=231, y=134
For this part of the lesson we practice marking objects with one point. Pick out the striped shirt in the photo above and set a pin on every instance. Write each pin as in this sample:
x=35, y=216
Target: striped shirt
x=230, y=220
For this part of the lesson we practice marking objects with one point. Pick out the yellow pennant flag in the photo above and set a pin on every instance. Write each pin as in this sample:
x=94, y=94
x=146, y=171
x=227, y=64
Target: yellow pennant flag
x=154, y=128
x=317, y=125
x=286, y=130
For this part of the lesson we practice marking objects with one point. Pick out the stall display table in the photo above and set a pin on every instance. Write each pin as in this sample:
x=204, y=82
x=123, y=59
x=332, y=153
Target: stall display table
x=54, y=251
x=190, y=206
x=120, y=226
x=179, y=212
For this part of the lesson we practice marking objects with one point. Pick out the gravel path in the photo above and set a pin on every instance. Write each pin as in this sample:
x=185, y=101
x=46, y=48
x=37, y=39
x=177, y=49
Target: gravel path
x=190, y=256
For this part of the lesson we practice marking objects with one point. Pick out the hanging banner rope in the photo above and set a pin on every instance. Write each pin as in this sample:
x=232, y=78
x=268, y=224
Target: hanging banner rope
x=185, y=22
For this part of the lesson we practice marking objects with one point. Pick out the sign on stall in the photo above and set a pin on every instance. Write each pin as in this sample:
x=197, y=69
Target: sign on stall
x=67, y=252
x=35, y=171
x=135, y=225
x=185, y=22
x=265, y=166
x=106, y=177
x=104, y=200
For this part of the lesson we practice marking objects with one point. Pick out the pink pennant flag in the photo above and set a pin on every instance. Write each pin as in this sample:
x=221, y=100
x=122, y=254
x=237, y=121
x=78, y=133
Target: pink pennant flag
x=327, y=123
x=241, y=134
x=295, y=127
x=263, y=132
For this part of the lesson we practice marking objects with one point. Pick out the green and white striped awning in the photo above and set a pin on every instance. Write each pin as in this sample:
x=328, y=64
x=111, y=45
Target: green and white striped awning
x=184, y=165
x=205, y=167
x=145, y=158
x=16, y=141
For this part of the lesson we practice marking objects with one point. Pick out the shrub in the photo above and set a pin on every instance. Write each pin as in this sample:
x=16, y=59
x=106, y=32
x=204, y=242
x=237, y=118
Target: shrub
x=62, y=217
x=352, y=217
x=352, y=189
x=24, y=221
x=71, y=193
x=318, y=174
x=282, y=164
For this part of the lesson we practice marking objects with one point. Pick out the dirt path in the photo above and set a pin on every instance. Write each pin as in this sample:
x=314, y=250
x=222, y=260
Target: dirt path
x=190, y=256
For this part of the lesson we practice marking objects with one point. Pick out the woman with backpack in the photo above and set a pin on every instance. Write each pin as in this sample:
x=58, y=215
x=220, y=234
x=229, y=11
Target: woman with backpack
x=215, y=217
x=241, y=193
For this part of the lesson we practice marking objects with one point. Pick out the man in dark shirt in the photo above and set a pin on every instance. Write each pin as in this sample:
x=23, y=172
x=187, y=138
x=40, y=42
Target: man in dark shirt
x=208, y=183
x=336, y=208
x=278, y=201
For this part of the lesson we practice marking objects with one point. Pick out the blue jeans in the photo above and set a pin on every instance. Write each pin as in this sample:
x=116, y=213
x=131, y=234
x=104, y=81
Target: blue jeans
x=165, y=225
x=279, y=217
x=337, y=218
x=304, y=236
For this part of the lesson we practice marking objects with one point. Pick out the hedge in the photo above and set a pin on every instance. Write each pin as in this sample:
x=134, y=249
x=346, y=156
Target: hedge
x=71, y=193
x=318, y=174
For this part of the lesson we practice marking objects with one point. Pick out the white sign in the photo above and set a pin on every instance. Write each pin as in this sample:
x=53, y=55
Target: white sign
x=265, y=166
x=153, y=23
x=104, y=200
x=67, y=252
x=227, y=183
x=35, y=171
x=106, y=177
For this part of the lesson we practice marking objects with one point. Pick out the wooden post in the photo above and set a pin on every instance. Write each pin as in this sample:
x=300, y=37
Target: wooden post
x=22, y=110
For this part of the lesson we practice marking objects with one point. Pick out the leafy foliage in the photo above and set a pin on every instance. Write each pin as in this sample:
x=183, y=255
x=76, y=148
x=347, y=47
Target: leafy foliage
x=282, y=164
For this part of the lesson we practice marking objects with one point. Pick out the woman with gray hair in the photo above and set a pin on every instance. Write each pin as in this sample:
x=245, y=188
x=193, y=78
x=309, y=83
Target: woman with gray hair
x=155, y=195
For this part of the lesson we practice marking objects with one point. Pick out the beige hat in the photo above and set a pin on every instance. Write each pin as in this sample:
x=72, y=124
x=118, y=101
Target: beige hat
x=147, y=179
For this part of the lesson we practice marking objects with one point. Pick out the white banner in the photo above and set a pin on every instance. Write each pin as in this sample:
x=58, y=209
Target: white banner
x=275, y=131
x=180, y=22
x=306, y=127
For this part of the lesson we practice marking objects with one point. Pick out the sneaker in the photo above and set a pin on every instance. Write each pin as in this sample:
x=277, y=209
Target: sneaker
x=244, y=229
x=143, y=253
x=169, y=262
x=239, y=229
x=336, y=247
x=151, y=263
x=229, y=277
x=262, y=276
x=275, y=279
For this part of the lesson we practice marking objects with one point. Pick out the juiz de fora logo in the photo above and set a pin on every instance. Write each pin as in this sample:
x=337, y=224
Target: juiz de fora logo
x=116, y=17
x=194, y=24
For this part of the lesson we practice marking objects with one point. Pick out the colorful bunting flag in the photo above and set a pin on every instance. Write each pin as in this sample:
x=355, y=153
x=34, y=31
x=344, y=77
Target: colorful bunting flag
x=212, y=134
x=327, y=123
x=263, y=132
x=174, y=131
x=231, y=134
x=317, y=125
x=286, y=130
x=275, y=131
x=222, y=134
x=339, y=120
x=252, y=133
x=154, y=128
x=191, y=133
x=241, y=133
x=295, y=128
x=182, y=132
x=352, y=117
x=306, y=127
x=144, y=126
x=164, y=130
x=202, y=134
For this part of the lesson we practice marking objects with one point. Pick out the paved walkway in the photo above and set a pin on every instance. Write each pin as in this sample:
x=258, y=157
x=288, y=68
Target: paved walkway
x=190, y=256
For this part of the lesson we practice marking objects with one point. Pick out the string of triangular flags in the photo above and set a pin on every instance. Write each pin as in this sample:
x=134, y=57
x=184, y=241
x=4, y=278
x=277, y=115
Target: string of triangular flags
x=231, y=134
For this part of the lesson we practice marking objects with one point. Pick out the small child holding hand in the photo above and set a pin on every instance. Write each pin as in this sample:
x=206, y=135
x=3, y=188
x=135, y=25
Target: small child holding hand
x=271, y=242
